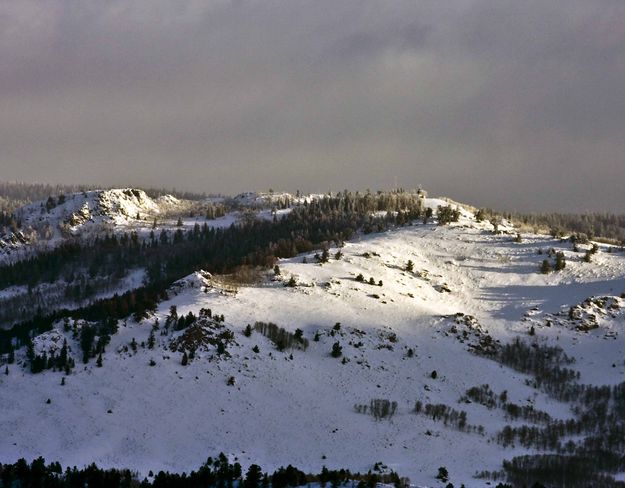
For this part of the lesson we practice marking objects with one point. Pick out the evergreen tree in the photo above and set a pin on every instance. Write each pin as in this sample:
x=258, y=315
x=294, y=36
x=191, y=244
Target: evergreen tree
x=253, y=477
x=427, y=215
x=87, y=335
x=325, y=256
x=63, y=354
x=447, y=214
x=337, y=350
x=443, y=474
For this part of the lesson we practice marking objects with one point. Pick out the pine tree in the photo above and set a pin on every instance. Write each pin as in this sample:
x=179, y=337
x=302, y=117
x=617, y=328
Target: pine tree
x=409, y=266
x=99, y=361
x=87, y=334
x=443, y=474
x=427, y=214
x=337, y=350
x=63, y=354
x=447, y=214
x=253, y=477
x=545, y=267
x=325, y=256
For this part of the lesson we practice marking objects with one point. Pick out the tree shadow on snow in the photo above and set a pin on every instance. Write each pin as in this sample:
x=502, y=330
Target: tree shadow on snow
x=515, y=300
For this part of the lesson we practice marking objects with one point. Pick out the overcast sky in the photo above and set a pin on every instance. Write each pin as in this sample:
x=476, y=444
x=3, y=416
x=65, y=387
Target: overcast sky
x=510, y=104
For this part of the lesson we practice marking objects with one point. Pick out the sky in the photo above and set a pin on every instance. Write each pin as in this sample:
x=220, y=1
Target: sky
x=515, y=105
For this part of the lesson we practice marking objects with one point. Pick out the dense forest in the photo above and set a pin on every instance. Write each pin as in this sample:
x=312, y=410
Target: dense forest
x=595, y=226
x=218, y=472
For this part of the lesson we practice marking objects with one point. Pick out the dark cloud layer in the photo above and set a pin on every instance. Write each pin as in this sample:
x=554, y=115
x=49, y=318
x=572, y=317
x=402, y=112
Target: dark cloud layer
x=516, y=105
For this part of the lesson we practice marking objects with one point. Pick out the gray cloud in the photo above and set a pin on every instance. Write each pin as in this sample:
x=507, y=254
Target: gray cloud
x=515, y=105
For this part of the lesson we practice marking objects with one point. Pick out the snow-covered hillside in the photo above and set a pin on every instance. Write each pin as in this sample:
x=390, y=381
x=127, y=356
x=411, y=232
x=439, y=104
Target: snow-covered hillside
x=406, y=333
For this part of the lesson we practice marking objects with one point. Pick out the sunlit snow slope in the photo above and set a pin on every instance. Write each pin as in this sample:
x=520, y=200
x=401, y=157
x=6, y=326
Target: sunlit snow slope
x=276, y=407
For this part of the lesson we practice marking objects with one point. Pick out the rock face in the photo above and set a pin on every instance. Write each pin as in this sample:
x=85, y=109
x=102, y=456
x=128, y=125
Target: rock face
x=45, y=224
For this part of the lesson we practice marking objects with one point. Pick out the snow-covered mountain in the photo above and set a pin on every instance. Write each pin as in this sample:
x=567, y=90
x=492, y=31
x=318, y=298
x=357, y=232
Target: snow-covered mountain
x=413, y=311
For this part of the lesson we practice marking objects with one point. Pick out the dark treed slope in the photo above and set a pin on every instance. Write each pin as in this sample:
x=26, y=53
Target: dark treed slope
x=173, y=255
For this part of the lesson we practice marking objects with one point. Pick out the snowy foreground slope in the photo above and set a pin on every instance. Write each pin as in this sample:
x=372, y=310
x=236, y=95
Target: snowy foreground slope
x=298, y=406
